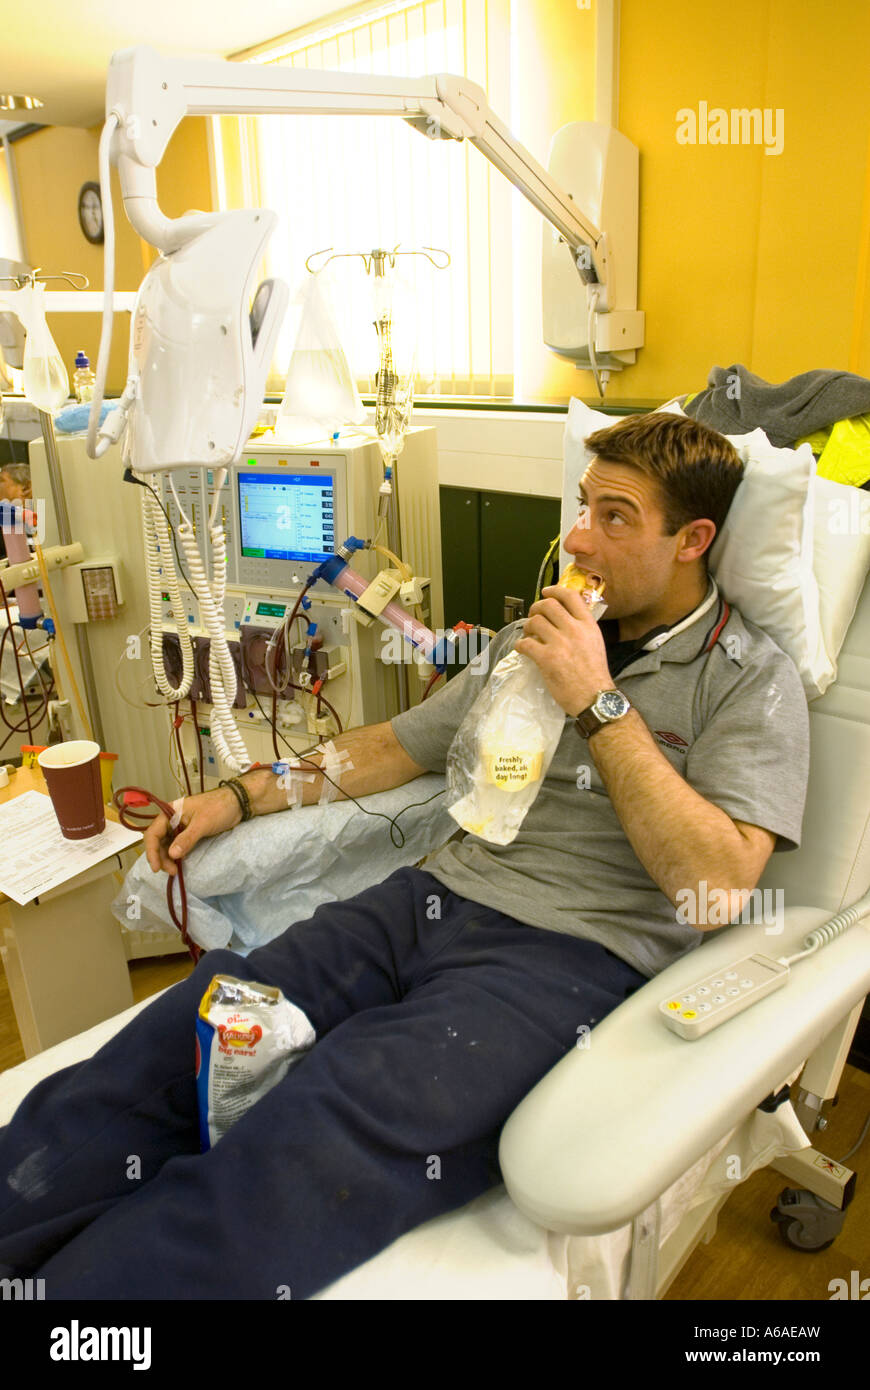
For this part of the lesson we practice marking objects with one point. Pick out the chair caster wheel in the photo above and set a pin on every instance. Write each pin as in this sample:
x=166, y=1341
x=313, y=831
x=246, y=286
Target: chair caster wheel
x=806, y=1222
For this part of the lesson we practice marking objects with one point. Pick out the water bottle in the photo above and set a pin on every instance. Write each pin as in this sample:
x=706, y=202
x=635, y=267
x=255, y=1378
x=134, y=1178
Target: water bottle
x=83, y=379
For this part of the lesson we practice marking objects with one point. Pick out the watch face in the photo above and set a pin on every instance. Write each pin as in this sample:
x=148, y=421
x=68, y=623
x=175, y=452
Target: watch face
x=611, y=704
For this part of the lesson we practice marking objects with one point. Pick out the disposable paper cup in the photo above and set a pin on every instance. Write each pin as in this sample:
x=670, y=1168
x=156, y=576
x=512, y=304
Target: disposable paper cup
x=72, y=775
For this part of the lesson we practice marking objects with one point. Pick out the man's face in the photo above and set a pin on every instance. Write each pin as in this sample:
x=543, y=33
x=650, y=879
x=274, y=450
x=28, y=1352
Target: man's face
x=619, y=535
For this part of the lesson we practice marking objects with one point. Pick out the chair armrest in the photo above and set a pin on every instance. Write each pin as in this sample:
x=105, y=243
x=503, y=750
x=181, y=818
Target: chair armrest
x=614, y=1124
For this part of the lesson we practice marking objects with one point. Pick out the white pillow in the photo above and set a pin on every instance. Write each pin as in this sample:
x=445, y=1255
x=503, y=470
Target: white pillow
x=762, y=558
x=841, y=556
x=800, y=579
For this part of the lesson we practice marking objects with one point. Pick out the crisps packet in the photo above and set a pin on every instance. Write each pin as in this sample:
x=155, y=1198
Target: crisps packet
x=247, y=1037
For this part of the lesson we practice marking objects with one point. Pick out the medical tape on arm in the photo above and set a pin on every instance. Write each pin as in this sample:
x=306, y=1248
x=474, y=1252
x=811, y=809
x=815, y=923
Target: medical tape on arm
x=177, y=806
x=291, y=781
x=334, y=762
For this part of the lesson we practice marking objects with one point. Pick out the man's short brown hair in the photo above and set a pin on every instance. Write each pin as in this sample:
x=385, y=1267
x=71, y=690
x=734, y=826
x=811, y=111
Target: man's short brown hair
x=17, y=473
x=697, y=469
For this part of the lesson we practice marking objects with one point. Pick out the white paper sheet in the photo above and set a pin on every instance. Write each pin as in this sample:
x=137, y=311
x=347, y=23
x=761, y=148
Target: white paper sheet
x=36, y=856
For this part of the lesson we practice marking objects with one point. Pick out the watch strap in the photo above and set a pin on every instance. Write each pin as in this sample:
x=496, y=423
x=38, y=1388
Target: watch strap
x=588, y=722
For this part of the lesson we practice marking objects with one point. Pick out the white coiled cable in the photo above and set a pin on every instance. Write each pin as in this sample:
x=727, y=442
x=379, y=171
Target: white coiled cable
x=160, y=574
x=825, y=934
x=225, y=734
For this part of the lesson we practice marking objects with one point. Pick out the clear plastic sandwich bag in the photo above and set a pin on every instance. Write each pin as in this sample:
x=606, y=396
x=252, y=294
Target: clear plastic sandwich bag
x=503, y=748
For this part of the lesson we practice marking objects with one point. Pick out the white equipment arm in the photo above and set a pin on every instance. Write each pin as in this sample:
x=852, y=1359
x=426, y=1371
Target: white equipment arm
x=199, y=357
x=151, y=94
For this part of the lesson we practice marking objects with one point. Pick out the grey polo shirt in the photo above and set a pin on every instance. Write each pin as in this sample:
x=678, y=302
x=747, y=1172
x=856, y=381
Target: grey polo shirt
x=732, y=720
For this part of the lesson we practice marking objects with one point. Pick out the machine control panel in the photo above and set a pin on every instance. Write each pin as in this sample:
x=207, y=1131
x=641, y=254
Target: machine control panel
x=282, y=514
x=266, y=612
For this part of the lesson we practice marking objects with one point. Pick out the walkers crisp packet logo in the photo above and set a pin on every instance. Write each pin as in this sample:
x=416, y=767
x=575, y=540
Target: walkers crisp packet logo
x=239, y=1037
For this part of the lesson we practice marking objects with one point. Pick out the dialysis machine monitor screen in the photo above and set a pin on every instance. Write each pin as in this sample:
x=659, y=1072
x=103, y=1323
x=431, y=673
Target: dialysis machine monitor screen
x=287, y=516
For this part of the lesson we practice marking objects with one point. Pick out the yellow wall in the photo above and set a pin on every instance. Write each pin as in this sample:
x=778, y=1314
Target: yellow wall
x=552, y=83
x=10, y=248
x=52, y=164
x=744, y=257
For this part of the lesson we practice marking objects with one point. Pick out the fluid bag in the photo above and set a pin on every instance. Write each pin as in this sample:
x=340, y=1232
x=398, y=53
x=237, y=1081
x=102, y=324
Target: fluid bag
x=45, y=379
x=320, y=390
x=503, y=748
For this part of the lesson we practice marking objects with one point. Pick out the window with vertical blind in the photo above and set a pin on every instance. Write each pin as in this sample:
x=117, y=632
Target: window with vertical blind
x=358, y=183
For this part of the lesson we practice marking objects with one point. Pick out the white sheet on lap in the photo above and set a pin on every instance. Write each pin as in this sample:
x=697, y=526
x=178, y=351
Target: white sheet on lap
x=248, y=885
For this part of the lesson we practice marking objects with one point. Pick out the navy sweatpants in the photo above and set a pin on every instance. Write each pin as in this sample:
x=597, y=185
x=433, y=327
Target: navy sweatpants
x=434, y=1018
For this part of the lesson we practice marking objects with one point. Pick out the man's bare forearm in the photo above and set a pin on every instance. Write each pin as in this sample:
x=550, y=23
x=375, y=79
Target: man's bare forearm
x=678, y=836
x=379, y=763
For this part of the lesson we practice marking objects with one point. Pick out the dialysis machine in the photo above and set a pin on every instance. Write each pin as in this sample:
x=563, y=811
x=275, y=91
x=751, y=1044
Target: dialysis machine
x=285, y=509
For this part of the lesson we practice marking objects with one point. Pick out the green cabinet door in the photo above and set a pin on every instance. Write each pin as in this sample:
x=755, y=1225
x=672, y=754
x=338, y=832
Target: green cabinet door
x=492, y=547
x=460, y=554
x=515, y=534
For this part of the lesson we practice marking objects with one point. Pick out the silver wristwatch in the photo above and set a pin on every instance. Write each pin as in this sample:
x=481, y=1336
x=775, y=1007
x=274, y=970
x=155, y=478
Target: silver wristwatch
x=608, y=706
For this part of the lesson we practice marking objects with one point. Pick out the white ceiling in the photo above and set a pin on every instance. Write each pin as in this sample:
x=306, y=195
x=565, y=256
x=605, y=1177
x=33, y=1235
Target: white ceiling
x=59, y=51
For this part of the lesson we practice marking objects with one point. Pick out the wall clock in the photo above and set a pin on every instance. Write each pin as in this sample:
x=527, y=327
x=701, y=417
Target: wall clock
x=91, y=212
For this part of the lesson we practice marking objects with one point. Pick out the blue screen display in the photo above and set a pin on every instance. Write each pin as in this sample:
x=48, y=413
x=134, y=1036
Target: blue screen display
x=287, y=516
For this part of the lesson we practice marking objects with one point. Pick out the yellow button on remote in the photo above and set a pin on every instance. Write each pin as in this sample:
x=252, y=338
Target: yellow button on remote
x=690, y=1013
x=673, y=1004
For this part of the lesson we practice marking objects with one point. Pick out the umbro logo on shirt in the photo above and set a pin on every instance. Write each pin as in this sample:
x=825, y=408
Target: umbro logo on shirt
x=672, y=740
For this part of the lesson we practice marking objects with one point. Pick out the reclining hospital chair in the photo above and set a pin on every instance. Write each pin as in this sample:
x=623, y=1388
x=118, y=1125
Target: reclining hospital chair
x=618, y=1161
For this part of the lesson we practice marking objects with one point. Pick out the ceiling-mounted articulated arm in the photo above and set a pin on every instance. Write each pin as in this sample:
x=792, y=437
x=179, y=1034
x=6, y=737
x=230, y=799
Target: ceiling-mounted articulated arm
x=150, y=94
x=466, y=103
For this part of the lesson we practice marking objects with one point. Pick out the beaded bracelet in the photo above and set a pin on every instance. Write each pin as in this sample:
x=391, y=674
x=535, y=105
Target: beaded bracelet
x=241, y=794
